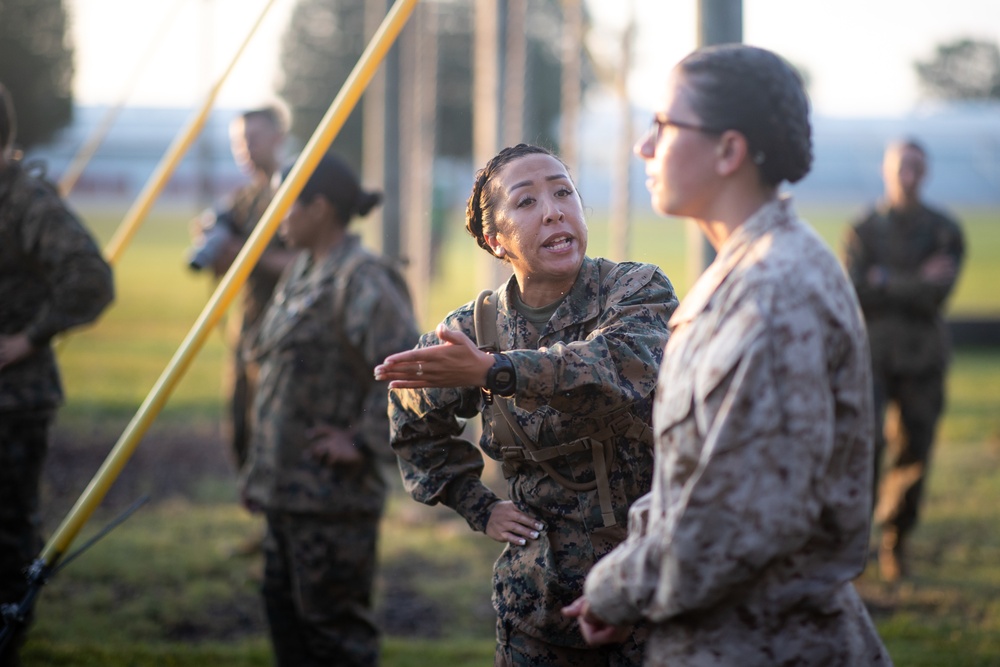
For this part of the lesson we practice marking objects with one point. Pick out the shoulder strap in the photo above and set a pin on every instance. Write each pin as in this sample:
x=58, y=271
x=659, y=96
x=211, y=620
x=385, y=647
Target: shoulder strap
x=505, y=428
x=484, y=315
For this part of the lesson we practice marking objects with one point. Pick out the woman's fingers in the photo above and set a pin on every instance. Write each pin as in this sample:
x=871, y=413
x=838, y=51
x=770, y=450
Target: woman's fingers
x=509, y=524
x=456, y=362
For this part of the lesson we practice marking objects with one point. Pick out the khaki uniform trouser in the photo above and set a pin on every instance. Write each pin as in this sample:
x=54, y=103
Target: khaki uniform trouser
x=905, y=441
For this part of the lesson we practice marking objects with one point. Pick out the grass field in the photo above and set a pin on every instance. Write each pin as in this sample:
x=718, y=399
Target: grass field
x=164, y=588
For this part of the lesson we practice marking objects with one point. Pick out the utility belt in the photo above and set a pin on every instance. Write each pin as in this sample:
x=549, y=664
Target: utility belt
x=601, y=444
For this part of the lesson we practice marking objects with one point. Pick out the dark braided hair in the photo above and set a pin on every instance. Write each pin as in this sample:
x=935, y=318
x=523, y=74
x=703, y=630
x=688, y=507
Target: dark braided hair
x=334, y=179
x=757, y=93
x=479, y=220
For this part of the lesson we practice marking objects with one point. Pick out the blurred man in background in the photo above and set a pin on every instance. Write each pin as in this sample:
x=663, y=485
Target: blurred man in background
x=904, y=258
x=52, y=278
x=256, y=138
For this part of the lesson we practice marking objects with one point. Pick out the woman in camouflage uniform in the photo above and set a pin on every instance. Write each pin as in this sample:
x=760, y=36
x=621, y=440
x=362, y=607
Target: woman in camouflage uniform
x=578, y=346
x=321, y=433
x=745, y=550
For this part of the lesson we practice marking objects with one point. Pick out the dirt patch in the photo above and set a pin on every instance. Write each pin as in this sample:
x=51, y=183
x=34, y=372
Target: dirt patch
x=174, y=463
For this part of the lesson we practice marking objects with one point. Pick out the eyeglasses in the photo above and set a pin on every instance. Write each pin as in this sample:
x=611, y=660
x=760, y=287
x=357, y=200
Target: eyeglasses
x=659, y=122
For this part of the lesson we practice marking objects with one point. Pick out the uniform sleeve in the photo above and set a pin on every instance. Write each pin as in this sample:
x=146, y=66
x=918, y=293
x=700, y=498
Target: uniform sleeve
x=765, y=406
x=437, y=464
x=902, y=289
x=858, y=261
x=80, y=280
x=617, y=363
x=380, y=323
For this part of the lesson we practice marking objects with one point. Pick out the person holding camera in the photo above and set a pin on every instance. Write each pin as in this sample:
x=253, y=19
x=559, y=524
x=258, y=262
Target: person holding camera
x=256, y=137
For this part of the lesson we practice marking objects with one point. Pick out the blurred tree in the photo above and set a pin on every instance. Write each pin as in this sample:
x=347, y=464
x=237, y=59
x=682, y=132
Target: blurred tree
x=965, y=69
x=325, y=38
x=36, y=66
x=320, y=46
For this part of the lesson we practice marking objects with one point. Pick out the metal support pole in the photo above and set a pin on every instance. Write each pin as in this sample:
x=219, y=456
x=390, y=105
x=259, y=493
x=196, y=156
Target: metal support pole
x=488, y=60
x=168, y=164
x=719, y=22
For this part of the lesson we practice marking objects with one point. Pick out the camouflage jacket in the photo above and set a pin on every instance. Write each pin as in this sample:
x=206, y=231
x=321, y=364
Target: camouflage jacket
x=52, y=278
x=744, y=551
x=245, y=209
x=569, y=384
x=316, y=369
x=905, y=326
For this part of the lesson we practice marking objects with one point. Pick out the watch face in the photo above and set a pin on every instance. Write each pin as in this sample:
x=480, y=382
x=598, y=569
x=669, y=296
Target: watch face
x=504, y=378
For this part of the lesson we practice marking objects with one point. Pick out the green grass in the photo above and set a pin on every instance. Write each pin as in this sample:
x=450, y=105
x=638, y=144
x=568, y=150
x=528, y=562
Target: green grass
x=163, y=590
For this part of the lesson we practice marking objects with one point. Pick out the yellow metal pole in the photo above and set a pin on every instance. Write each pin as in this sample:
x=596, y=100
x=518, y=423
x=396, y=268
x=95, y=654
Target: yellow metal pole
x=224, y=294
x=168, y=164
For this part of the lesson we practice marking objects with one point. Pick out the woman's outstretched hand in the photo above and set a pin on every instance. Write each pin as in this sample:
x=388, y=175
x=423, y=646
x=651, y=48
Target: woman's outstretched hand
x=456, y=362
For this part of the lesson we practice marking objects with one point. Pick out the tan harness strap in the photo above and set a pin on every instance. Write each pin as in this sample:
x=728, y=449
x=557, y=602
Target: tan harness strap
x=507, y=431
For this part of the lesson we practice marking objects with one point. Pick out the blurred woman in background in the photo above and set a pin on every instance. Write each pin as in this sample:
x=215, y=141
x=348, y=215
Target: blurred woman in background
x=321, y=433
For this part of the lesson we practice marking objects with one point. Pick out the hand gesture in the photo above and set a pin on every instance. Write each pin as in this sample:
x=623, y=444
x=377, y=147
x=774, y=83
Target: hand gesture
x=14, y=348
x=331, y=446
x=456, y=362
x=939, y=269
x=509, y=524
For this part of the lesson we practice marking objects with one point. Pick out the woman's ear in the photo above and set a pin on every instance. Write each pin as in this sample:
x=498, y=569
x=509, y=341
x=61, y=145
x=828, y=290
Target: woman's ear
x=731, y=152
x=494, y=244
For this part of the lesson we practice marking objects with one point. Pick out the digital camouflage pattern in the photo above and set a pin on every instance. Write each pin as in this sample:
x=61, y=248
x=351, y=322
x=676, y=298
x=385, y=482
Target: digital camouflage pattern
x=570, y=383
x=318, y=344
x=309, y=377
x=909, y=341
x=745, y=550
x=318, y=579
x=52, y=278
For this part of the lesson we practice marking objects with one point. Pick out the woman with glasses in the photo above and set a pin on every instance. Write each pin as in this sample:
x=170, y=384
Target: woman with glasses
x=745, y=550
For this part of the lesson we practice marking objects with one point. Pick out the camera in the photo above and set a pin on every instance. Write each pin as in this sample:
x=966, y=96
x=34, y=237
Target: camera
x=215, y=228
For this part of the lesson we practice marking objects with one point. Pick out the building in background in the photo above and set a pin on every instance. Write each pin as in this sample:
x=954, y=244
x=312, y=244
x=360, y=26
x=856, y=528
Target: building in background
x=133, y=148
x=963, y=140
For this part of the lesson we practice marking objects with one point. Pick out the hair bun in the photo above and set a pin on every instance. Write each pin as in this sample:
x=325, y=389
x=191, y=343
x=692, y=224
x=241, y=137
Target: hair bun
x=367, y=200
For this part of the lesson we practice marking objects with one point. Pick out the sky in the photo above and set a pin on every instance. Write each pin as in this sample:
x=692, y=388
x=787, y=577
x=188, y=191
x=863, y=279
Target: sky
x=859, y=54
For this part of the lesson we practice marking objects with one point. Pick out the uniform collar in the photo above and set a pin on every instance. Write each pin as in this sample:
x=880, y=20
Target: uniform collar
x=581, y=304
x=763, y=221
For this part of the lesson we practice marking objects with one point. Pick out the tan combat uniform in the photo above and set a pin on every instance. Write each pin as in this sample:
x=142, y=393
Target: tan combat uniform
x=570, y=384
x=744, y=551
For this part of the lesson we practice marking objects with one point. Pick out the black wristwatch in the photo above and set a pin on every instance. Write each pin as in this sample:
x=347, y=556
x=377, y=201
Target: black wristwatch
x=500, y=379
